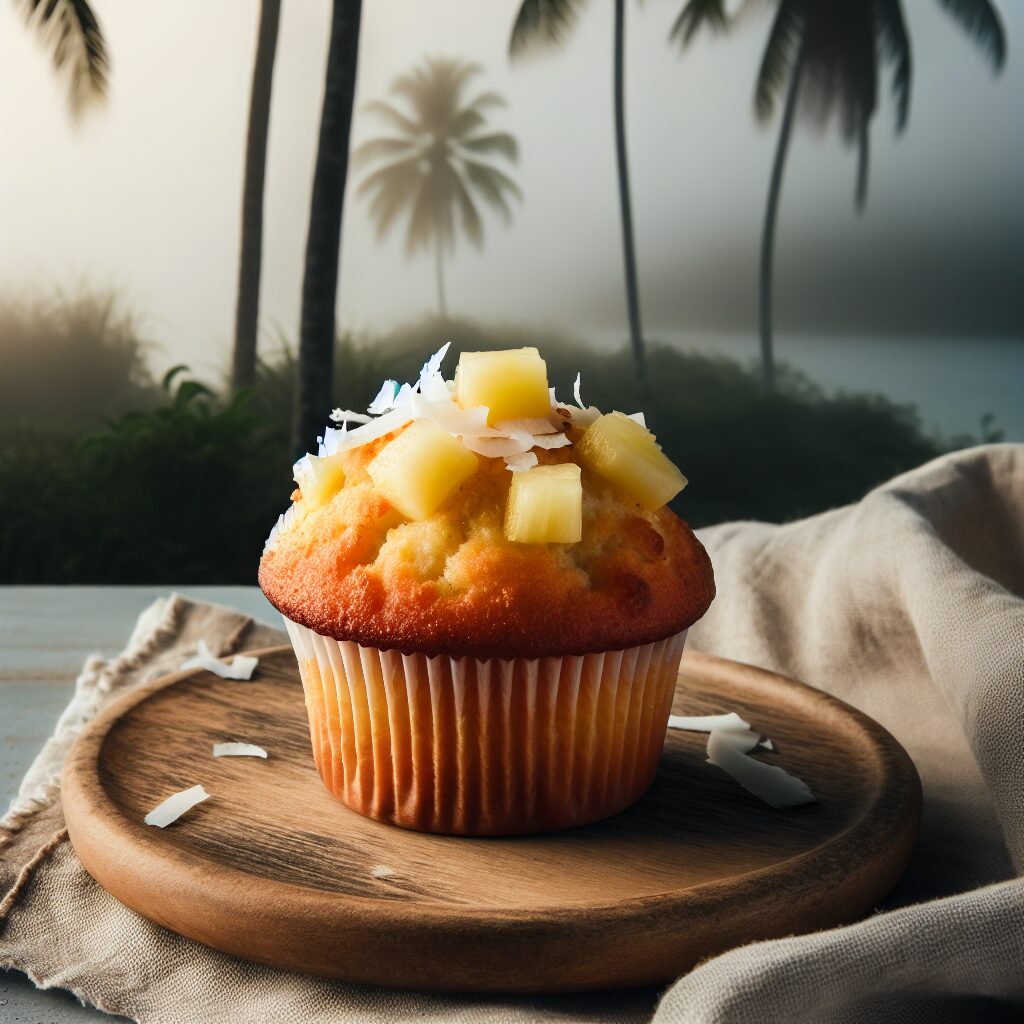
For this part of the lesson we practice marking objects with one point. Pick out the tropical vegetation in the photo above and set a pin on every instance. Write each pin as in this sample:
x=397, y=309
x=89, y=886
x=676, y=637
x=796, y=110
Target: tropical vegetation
x=828, y=57
x=121, y=480
x=435, y=166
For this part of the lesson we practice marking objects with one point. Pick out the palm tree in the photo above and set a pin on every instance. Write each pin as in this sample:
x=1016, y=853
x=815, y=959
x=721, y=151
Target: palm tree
x=547, y=22
x=72, y=34
x=434, y=161
x=320, y=275
x=243, y=368
x=829, y=56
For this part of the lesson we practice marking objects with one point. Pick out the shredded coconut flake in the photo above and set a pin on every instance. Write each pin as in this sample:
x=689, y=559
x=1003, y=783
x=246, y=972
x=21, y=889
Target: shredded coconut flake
x=584, y=417
x=238, y=750
x=239, y=667
x=638, y=417
x=518, y=463
x=175, y=806
x=534, y=425
x=576, y=391
x=393, y=420
x=348, y=416
x=705, y=723
x=499, y=447
x=767, y=744
x=549, y=441
x=767, y=782
x=385, y=399
x=382, y=871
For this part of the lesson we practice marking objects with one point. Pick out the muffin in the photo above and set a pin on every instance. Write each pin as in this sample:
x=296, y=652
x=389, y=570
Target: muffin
x=488, y=599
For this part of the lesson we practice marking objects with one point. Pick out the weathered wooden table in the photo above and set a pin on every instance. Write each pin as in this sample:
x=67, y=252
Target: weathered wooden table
x=46, y=633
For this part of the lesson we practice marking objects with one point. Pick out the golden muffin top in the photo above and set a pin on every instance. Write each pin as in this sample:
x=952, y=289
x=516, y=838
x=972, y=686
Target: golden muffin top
x=479, y=517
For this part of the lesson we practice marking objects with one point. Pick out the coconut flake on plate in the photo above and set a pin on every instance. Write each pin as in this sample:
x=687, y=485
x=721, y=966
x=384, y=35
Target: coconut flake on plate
x=238, y=750
x=519, y=463
x=767, y=744
x=241, y=666
x=705, y=723
x=767, y=782
x=175, y=806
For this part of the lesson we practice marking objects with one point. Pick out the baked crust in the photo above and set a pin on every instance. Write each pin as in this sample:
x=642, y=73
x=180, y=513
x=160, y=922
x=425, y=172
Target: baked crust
x=354, y=569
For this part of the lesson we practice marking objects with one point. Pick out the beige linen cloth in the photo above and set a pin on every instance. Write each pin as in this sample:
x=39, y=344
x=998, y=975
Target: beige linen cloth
x=909, y=605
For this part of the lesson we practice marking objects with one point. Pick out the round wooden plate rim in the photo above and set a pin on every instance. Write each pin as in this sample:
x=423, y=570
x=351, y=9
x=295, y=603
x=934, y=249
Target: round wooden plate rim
x=84, y=796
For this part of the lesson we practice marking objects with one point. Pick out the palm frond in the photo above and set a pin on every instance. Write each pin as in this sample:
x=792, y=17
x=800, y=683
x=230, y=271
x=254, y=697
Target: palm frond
x=388, y=112
x=431, y=219
x=382, y=148
x=465, y=122
x=391, y=188
x=471, y=222
x=492, y=184
x=487, y=101
x=980, y=19
x=498, y=142
x=696, y=13
x=72, y=34
x=895, y=46
x=779, y=55
x=542, y=23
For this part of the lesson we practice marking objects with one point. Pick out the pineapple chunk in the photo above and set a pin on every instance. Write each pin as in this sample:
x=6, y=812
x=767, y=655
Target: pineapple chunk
x=545, y=505
x=512, y=384
x=319, y=479
x=627, y=455
x=420, y=468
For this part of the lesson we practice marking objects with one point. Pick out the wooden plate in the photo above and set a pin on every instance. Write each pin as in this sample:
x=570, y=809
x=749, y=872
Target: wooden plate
x=274, y=869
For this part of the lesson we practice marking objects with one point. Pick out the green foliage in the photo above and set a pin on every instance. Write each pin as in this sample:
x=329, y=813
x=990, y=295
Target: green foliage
x=187, y=492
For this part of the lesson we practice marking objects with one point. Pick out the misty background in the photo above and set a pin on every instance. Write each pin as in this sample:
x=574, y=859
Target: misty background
x=919, y=297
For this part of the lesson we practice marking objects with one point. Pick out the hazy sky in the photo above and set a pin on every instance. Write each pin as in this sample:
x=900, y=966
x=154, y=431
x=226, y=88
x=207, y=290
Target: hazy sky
x=145, y=195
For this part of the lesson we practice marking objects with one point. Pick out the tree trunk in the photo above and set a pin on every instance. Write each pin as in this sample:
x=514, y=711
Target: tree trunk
x=320, y=276
x=770, y=215
x=636, y=336
x=442, y=306
x=863, y=157
x=243, y=364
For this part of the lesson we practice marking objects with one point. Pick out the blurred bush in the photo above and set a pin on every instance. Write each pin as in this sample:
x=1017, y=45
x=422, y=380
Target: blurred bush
x=74, y=359
x=186, y=492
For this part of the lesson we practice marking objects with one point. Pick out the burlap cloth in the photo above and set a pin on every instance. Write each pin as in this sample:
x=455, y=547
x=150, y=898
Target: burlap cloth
x=908, y=605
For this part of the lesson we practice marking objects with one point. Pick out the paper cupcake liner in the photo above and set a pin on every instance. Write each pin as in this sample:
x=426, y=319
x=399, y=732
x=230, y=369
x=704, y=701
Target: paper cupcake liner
x=486, y=747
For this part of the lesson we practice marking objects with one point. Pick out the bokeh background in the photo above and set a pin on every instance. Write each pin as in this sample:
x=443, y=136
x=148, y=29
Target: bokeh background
x=898, y=322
